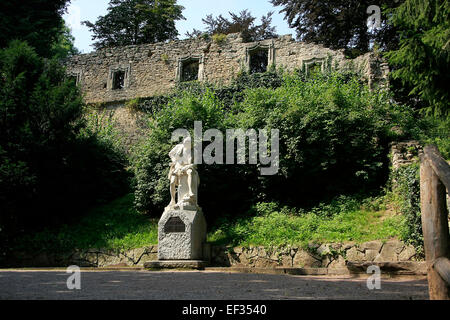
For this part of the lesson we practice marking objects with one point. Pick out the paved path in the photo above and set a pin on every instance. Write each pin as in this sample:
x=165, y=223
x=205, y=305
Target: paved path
x=200, y=286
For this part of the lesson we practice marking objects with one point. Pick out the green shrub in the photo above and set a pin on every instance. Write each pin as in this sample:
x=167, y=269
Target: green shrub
x=334, y=135
x=219, y=38
x=103, y=126
x=164, y=58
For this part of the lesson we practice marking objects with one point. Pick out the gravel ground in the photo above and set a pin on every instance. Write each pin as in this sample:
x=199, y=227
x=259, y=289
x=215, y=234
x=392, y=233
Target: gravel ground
x=143, y=285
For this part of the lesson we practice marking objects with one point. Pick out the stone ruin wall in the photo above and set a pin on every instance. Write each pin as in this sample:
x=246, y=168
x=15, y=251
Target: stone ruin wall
x=153, y=69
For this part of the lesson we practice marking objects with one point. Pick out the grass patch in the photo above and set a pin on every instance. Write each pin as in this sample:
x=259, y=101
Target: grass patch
x=278, y=227
x=116, y=225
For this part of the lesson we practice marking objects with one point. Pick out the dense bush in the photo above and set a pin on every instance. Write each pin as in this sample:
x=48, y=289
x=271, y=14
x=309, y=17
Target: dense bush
x=334, y=135
x=51, y=164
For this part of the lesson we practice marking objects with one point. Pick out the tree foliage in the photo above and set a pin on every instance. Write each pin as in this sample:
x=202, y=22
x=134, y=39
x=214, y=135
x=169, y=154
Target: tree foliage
x=53, y=163
x=130, y=22
x=243, y=22
x=50, y=167
x=38, y=22
x=337, y=24
x=64, y=46
x=422, y=63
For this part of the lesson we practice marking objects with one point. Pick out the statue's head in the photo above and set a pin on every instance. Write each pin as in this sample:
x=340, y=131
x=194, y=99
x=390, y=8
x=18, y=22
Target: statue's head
x=187, y=142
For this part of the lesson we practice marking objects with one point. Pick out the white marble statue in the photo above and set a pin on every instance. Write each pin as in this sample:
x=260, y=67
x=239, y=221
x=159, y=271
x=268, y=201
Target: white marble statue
x=183, y=176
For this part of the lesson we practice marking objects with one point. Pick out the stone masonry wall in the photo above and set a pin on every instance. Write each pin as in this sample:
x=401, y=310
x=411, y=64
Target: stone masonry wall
x=404, y=153
x=331, y=256
x=154, y=69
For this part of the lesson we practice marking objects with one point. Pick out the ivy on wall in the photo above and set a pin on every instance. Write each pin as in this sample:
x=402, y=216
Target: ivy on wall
x=406, y=187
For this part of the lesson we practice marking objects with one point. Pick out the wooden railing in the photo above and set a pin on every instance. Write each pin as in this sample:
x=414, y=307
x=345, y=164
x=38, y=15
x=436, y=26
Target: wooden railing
x=434, y=180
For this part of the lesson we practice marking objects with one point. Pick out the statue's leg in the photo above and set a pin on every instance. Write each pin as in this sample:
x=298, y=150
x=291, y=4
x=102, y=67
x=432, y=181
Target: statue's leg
x=190, y=180
x=173, y=191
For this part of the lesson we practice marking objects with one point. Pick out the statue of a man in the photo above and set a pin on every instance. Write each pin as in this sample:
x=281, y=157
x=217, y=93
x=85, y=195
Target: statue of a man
x=183, y=174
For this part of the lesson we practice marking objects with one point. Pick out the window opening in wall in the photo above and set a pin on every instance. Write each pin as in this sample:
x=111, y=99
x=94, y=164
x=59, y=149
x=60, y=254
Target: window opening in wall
x=259, y=60
x=118, y=80
x=189, y=70
x=314, y=69
x=74, y=79
x=316, y=66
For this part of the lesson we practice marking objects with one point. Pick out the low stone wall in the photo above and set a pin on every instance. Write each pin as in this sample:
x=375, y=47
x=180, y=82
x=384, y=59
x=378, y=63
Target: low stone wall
x=331, y=256
x=334, y=256
x=96, y=258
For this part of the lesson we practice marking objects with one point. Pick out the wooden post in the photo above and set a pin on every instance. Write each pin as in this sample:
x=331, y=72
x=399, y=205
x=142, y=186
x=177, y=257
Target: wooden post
x=435, y=226
x=442, y=266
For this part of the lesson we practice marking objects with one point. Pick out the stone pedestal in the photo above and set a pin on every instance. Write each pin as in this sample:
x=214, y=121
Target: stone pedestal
x=176, y=264
x=181, y=234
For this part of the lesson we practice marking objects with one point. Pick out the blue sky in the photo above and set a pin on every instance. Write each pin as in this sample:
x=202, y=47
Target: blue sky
x=194, y=11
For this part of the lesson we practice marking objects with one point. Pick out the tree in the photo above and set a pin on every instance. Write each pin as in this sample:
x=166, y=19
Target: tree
x=130, y=22
x=39, y=113
x=338, y=24
x=422, y=62
x=38, y=22
x=53, y=165
x=64, y=46
x=50, y=168
x=243, y=22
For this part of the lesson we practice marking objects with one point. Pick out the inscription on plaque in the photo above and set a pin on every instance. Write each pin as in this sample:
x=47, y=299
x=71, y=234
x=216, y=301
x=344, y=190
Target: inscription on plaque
x=174, y=224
